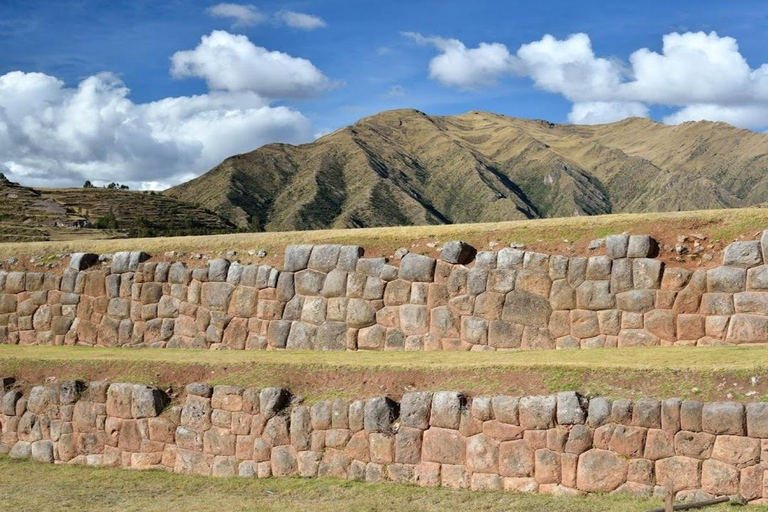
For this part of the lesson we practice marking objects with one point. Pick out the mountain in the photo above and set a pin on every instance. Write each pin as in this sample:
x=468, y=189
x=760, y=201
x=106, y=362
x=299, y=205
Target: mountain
x=404, y=167
x=28, y=214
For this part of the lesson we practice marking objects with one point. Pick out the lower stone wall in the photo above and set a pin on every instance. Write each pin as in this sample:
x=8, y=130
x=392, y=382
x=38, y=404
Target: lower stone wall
x=563, y=444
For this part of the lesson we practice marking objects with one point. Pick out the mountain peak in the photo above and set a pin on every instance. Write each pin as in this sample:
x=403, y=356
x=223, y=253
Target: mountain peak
x=403, y=166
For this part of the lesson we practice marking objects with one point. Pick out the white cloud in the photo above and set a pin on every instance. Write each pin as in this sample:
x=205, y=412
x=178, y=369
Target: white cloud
x=241, y=15
x=55, y=135
x=231, y=62
x=300, y=20
x=703, y=75
x=466, y=68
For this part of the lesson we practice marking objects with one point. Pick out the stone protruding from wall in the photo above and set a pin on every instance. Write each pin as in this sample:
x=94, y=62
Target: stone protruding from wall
x=331, y=297
x=562, y=444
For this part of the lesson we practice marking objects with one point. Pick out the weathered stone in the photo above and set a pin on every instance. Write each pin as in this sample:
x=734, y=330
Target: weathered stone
x=482, y=454
x=82, y=260
x=616, y=246
x=719, y=478
x=526, y=309
x=379, y=413
x=595, y=295
x=726, y=280
x=646, y=273
x=272, y=401
x=415, y=409
x=637, y=338
x=743, y=254
x=736, y=450
x=757, y=420
x=723, y=418
x=324, y=257
x=446, y=409
x=537, y=412
x=296, y=257
x=457, y=252
x=681, y=472
x=147, y=402
x=694, y=444
x=416, y=267
x=442, y=445
x=510, y=258
x=570, y=408
x=747, y=329
x=600, y=471
x=641, y=246
x=599, y=411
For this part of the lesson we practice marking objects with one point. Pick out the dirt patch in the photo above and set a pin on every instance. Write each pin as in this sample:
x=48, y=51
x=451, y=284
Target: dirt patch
x=315, y=382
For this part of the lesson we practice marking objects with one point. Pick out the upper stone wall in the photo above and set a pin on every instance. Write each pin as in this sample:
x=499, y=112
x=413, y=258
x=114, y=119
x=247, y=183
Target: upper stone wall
x=330, y=297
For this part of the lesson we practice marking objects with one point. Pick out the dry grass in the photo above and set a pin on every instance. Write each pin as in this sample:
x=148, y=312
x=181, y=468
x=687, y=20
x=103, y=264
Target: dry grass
x=706, y=373
x=547, y=233
x=28, y=486
x=737, y=358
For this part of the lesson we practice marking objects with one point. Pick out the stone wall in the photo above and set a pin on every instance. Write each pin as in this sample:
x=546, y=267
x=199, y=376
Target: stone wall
x=564, y=444
x=330, y=297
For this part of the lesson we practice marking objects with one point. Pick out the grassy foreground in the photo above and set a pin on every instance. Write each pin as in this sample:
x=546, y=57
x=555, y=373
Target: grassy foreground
x=544, y=234
x=707, y=373
x=28, y=486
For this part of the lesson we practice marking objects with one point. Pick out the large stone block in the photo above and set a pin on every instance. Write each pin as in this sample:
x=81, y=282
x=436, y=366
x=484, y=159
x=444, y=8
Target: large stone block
x=641, y=246
x=147, y=402
x=751, y=302
x=616, y=246
x=379, y=413
x=417, y=267
x=757, y=420
x=646, y=273
x=446, y=409
x=82, y=260
x=743, y=254
x=595, y=295
x=680, y=472
x=723, y=418
x=324, y=257
x=415, y=409
x=571, y=408
x=457, y=252
x=482, y=454
x=537, y=412
x=526, y=309
x=747, y=329
x=442, y=445
x=726, y=280
x=736, y=450
x=719, y=478
x=296, y=257
x=600, y=471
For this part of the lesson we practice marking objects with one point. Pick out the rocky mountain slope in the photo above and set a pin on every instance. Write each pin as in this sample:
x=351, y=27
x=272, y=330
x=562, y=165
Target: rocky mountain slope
x=404, y=167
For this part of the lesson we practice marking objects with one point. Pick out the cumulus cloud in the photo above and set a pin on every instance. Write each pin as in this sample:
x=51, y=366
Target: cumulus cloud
x=55, y=135
x=466, y=68
x=300, y=20
x=232, y=62
x=703, y=75
x=241, y=15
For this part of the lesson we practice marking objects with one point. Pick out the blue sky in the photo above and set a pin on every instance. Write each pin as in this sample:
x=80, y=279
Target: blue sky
x=366, y=63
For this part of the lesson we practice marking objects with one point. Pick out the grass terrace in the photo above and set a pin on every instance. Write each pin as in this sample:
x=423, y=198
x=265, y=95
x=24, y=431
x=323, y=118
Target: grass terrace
x=703, y=373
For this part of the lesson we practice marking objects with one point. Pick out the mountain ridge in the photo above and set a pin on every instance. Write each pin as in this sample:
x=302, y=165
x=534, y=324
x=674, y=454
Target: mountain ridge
x=404, y=167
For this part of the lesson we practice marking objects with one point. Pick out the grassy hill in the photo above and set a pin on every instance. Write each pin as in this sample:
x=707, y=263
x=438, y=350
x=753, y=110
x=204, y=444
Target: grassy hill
x=404, y=167
x=28, y=214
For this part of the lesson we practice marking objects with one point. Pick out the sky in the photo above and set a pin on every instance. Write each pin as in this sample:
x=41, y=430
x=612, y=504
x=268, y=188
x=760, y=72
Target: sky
x=153, y=93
